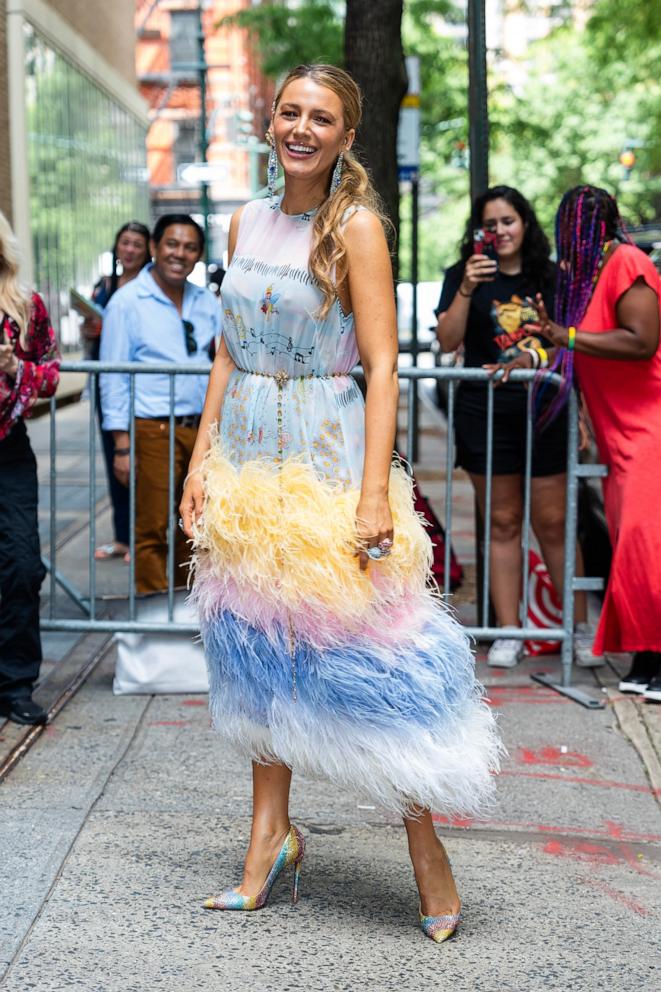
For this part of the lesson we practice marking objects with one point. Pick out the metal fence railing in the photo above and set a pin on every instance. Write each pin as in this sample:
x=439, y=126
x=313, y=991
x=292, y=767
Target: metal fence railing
x=92, y=619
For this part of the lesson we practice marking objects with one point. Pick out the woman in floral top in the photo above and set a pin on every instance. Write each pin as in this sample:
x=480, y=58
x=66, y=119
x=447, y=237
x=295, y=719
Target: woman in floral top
x=29, y=369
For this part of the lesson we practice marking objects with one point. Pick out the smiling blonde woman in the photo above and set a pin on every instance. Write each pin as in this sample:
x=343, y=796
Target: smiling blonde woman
x=327, y=651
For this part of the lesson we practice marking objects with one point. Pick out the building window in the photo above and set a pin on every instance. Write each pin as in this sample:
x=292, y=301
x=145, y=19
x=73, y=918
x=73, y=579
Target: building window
x=184, y=30
x=186, y=142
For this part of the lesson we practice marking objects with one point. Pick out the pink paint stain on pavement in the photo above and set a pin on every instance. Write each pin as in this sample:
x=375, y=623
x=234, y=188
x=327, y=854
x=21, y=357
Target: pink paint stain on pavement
x=631, y=904
x=609, y=830
x=553, y=756
x=581, y=780
x=504, y=695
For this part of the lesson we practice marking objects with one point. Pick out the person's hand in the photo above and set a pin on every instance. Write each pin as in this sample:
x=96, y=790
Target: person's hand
x=478, y=269
x=8, y=360
x=522, y=361
x=90, y=328
x=121, y=466
x=558, y=335
x=191, y=506
x=373, y=527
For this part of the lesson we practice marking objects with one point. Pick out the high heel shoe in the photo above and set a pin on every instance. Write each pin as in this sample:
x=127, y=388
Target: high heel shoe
x=439, y=928
x=291, y=853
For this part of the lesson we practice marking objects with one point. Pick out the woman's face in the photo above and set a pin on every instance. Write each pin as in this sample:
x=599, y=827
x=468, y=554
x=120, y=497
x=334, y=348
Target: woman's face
x=500, y=217
x=309, y=130
x=131, y=250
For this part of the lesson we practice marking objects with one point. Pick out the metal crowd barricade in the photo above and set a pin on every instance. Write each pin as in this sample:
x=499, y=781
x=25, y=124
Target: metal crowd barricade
x=91, y=621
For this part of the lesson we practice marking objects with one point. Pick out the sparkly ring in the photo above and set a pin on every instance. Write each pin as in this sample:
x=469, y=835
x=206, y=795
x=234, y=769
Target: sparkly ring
x=386, y=545
x=376, y=553
x=181, y=524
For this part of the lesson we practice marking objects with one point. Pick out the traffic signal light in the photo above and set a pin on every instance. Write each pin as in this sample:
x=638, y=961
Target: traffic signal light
x=627, y=161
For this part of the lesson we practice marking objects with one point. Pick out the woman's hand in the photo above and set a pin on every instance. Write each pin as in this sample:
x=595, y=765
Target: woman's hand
x=478, y=269
x=558, y=335
x=191, y=506
x=90, y=328
x=522, y=361
x=373, y=526
x=8, y=360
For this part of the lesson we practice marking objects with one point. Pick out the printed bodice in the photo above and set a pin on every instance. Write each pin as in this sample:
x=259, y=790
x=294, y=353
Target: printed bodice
x=291, y=393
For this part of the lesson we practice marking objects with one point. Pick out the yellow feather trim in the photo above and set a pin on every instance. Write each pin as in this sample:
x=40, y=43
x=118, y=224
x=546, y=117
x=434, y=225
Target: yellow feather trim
x=292, y=537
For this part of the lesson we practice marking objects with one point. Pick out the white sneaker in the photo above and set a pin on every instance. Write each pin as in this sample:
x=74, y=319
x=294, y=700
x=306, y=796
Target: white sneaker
x=583, y=657
x=506, y=652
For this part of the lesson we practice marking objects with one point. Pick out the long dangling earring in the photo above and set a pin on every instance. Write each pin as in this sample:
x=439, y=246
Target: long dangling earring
x=337, y=175
x=272, y=168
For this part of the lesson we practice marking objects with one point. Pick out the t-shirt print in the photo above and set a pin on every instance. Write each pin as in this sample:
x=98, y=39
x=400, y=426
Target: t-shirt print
x=516, y=327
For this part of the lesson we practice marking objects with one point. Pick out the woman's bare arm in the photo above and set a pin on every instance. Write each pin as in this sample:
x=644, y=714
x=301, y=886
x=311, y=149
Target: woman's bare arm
x=372, y=296
x=451, y=324
x=637, y=337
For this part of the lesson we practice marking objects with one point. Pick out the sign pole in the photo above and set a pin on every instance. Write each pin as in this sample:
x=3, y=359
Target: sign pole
x=408, y=161
x=478, y=111
x=204, y=142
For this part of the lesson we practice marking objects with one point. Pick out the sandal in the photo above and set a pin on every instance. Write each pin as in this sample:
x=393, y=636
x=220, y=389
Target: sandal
x=107, y=551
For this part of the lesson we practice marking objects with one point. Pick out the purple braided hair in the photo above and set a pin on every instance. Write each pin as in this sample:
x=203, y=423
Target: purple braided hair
x=587, y=218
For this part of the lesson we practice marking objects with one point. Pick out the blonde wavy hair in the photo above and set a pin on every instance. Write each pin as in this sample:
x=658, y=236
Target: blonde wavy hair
x=328, y=254
x=15, y=301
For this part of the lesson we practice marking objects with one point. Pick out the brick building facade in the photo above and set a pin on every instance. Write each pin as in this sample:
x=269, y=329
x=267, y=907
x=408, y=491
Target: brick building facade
x=237, y=108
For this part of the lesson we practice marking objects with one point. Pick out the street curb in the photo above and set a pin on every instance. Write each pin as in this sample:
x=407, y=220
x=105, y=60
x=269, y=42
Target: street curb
x=636, y=727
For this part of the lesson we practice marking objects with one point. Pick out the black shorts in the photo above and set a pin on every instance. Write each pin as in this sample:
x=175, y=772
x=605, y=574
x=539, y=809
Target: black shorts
x=549, y=447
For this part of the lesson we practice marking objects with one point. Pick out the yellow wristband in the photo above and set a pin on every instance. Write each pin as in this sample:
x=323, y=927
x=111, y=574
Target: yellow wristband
x=571, y=338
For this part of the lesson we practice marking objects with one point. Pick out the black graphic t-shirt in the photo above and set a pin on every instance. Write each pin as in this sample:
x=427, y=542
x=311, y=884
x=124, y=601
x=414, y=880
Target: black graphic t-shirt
x=500, y=322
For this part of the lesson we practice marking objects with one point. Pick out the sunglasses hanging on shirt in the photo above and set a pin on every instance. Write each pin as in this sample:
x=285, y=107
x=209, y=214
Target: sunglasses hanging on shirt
x=189, y=333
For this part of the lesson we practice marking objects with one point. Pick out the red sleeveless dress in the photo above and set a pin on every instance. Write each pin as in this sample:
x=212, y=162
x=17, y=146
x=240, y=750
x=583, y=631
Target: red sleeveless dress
x=624, y=401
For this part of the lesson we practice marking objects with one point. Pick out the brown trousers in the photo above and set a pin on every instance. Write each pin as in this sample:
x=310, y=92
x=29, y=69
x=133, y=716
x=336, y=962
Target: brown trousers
x=153, y=503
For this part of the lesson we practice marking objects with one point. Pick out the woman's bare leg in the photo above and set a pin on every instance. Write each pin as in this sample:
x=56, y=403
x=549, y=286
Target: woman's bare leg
x=433, y=874
x=270, y=824
x=506, y=565
x=548, y=497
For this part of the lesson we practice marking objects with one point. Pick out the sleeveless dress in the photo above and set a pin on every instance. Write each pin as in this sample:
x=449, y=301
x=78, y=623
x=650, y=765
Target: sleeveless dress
x=360, y=677
x=624, y=400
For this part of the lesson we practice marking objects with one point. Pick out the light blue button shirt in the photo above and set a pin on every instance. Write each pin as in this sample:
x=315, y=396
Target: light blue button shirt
x=141, y=324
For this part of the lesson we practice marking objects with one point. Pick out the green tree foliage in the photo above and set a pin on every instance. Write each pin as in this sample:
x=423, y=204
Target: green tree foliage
x=590, y=91
x=286, y=36
x=570, y=124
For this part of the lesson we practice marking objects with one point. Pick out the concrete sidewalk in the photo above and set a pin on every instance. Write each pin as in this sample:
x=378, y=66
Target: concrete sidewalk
x=128, y=812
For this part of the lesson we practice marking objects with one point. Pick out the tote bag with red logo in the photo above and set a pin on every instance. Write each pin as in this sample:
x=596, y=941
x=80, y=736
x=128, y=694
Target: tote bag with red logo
x=544, y=606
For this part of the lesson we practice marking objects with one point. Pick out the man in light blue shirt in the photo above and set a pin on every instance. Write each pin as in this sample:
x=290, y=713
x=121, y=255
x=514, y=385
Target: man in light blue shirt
x=158, y=317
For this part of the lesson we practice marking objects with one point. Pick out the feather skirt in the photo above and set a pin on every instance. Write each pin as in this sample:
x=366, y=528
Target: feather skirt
x=364, y=678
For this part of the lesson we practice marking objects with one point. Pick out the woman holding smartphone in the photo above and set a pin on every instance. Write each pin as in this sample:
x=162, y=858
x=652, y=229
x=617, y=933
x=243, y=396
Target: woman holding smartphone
x=484, y=308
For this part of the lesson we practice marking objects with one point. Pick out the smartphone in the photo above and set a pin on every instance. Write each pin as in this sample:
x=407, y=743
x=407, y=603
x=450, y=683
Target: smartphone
x=484, y=243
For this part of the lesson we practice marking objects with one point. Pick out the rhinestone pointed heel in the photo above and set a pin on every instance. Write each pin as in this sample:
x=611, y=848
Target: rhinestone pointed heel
x=291, y=853
x=439, y=928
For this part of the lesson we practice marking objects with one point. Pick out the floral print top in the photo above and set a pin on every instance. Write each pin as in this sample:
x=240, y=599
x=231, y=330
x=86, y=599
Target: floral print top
x=38, y=370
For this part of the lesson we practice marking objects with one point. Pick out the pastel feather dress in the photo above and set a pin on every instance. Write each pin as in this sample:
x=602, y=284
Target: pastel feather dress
x=361, y=677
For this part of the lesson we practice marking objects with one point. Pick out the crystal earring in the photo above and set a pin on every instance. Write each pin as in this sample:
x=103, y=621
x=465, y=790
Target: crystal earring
x=272, y=170
x=337, y=175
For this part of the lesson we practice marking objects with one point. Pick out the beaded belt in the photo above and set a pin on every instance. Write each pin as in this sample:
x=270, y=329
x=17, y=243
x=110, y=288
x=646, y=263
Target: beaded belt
x=282, y=377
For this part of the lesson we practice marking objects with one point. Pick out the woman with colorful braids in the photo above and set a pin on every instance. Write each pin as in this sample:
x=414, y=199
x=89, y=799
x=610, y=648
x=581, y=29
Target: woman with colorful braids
x=606, y=332
x=328, y=651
